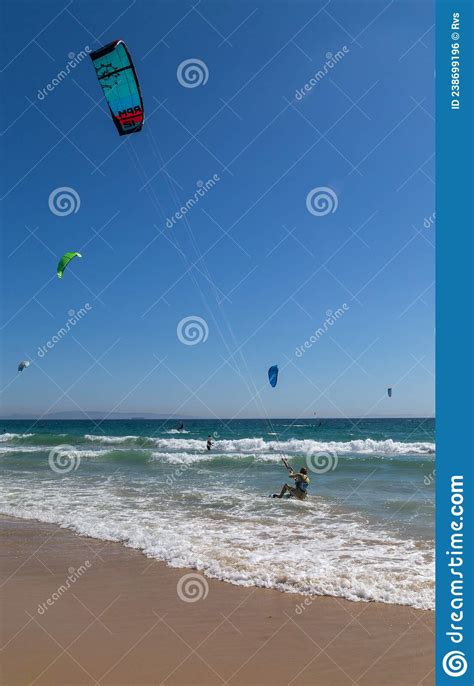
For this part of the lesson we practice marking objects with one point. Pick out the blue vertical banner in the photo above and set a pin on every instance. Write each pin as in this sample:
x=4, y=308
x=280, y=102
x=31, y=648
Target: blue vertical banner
x=455, y=343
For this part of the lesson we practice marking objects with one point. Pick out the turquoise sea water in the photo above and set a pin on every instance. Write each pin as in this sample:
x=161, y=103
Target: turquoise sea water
x=365, y=532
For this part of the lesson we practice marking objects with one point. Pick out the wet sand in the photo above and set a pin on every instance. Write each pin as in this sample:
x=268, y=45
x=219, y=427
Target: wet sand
x=123, y=619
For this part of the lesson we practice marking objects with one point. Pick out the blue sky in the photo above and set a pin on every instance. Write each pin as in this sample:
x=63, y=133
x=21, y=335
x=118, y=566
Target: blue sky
x=250, y=259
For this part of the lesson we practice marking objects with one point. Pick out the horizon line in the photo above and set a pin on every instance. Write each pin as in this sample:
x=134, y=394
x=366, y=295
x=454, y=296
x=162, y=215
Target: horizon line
x=201, y=419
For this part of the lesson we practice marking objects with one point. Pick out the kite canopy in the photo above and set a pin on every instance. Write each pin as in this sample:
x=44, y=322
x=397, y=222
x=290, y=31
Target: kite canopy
x=118, y=78
x=389, y=391
x=64, y=261
x=23, y=365
x=273, y=375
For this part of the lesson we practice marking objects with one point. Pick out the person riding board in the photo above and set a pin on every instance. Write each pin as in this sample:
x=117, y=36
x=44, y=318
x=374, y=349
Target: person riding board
x=209, y=443
x=299, y=490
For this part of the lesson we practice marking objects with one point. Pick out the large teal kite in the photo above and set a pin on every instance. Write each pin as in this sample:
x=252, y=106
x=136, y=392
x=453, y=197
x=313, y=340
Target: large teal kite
x=118, y=78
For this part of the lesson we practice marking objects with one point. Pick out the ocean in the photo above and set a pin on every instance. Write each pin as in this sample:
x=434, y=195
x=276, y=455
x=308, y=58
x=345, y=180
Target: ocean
x=365, y=532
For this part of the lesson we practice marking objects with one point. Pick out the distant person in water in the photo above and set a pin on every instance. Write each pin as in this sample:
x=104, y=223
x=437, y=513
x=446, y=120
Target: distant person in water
x=299, y=490
x=209, y=442
x=181, y=427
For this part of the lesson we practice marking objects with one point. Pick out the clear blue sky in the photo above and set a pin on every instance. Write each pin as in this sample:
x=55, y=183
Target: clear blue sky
x=366, y=130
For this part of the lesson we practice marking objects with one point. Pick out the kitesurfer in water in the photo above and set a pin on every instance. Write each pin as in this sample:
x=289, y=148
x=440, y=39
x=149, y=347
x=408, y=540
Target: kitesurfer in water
x=181, y=427
x=209, y=442
x=299, y=490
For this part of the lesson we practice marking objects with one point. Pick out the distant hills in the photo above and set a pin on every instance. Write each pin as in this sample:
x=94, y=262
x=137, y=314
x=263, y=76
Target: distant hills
x=77, y=414
x=94, y=415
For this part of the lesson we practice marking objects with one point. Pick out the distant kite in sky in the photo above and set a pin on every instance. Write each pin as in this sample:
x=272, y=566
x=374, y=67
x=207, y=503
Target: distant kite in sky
x=118, y=78
x=64, y=261
x=23, y=365
x=389, y=391
x=273, y=375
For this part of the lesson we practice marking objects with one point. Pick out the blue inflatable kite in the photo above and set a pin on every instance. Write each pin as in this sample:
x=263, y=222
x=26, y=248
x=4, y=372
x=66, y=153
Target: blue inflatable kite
x=273, y=375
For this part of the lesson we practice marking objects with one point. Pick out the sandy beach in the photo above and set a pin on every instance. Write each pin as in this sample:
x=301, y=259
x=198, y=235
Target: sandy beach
x=122, y=618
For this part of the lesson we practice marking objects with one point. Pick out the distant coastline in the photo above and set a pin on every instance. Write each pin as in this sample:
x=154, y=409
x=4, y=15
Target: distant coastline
x=144, y=416
x=103, y=415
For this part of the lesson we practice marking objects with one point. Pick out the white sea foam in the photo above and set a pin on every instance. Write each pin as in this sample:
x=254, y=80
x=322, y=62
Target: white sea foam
x=212, y=517
x=112, y=440
x=10, y=437
x=13, y=449
x=257, y=445
x=180, y=458
x=328, y=553
x=83, y=454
